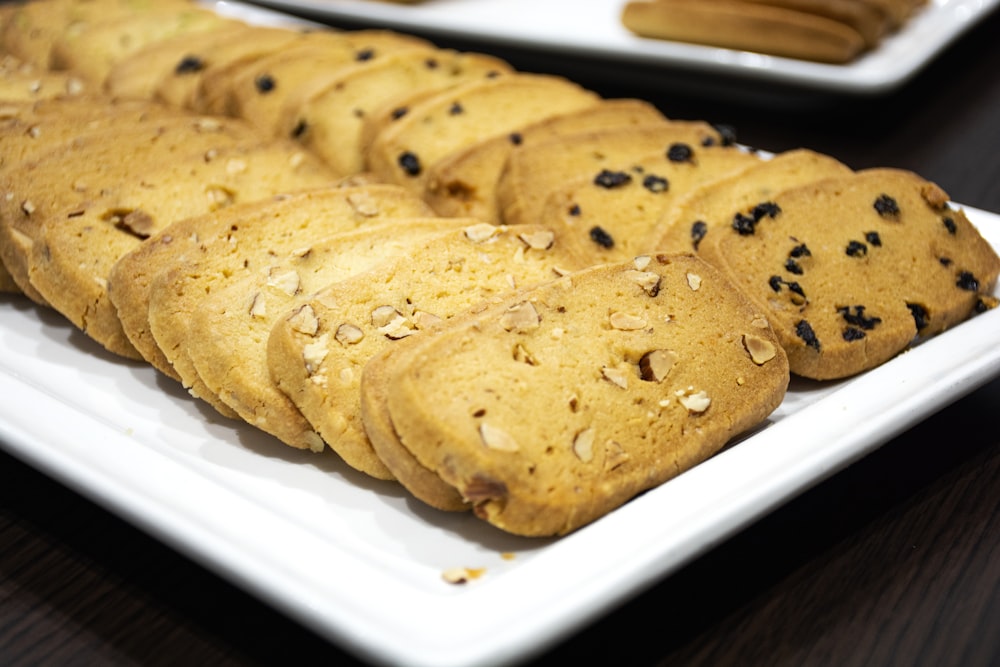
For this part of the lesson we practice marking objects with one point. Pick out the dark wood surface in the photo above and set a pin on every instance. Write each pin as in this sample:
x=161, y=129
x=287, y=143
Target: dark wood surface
x=892, y=561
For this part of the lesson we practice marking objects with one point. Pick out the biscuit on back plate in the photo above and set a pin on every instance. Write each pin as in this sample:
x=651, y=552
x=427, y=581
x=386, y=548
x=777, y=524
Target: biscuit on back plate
x=851, y=270
x=533, y=172
x=461, y=116
x=317, y=352
x=561, y=402
x=464, y=183
x=190, y=259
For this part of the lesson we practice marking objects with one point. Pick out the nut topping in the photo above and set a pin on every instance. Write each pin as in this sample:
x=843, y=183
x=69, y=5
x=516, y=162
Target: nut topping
x=694, y=401
x=497, y=439
x=304, y=321
x=362, y=204
x=520, y=317
x=540, y=240
x=583, y=445
x=761, y=351
x=348, y=334
x=655, y=365
x=258, y=308
x=615, y=376
x=649, y=281
x=315, y=352
x=694, y=281
x=287, y=282
x=626, y=322
x=481, y=232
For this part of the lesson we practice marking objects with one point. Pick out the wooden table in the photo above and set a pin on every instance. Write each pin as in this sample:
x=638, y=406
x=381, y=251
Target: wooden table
x=893, y=561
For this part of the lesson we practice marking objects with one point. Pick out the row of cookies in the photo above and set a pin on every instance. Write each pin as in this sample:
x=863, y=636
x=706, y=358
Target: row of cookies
x=268, y=301
x=827, y=32
x=279, y=325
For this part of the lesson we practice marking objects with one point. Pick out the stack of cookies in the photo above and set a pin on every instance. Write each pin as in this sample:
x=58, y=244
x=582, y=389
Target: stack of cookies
x=827, y=32
x=499, y=289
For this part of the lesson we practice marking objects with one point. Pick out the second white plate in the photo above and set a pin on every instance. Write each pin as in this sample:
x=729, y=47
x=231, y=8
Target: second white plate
x=593, y=30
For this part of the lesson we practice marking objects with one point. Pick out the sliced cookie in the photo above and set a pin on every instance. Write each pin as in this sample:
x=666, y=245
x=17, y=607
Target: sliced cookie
x=331, y=119
x=748, y=26
x=203, y=254
x=230, y=328
x=649, y=367
x=533, y=172
x=316, y=353
x=263, y=91
x=75, y=249
x=461, y=116
x=464, y=183
x=609, y=213
x=851, y=270
x=712, y=205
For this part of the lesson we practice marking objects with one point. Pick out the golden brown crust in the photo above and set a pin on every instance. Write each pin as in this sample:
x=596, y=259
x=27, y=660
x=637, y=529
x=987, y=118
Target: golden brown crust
x=747, y=26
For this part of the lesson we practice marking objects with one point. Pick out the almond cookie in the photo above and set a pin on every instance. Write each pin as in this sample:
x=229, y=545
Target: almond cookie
x=710, y=206
x=74, y=250
x=851, y=270
x=533, y=172
x=331, y=119
x=609, y=214
x=442, y=124
x=649, y=367
x=317, y=352
x=205, y=253
x=745, y=26
x=464, y=183
x=58, y=181
x=228, y=346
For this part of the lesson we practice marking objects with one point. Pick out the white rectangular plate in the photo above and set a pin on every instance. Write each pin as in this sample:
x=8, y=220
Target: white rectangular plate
x=358, y=561
x=593, y=29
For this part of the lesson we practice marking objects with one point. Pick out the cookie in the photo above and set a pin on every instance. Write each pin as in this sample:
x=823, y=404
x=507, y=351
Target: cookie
x=94, y=162
x=262, y=92
x=533, y=172
x=25, y=82
x=711, y=206
x=316, y=353
x=91, y=48
x=464, y=183
x=331, y=120
x=442, y=124
x=745, y=26
x=73, y=252
x=870, y=21
x=610, y=212
x=200, y=77
x=143, y=72
x=201, y=254
x=228, y=345
x=852, y=270
x=649, y=367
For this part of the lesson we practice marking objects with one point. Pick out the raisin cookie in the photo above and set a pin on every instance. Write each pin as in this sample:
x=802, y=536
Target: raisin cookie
x=465, y=182
x=851, y=270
